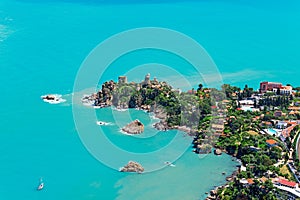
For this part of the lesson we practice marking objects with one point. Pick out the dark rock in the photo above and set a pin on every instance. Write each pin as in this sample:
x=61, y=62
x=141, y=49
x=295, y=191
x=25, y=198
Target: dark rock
x=135, y=127
x=218, y=151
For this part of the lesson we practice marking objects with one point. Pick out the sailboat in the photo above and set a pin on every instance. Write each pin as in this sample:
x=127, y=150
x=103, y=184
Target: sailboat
x=41, y=185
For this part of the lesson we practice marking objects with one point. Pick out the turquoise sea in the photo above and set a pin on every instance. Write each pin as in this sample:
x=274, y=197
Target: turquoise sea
x=42, y=46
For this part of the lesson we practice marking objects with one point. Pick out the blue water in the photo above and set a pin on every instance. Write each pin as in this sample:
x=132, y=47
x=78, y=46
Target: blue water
x=42, y=45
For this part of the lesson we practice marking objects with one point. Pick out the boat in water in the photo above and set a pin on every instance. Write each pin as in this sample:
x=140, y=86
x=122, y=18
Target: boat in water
x=101, y=123
x=170, y=164
x=41, y=185
x=53, y=98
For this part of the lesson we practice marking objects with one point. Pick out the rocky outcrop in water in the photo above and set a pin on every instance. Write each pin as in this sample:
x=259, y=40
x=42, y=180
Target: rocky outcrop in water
x=135, y=127
x=132, y=167
x=218, y=151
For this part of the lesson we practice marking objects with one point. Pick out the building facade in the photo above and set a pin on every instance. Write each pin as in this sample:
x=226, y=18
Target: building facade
x=269, y=86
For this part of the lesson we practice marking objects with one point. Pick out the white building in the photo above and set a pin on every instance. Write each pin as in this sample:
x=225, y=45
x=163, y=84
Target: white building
x=284, y=90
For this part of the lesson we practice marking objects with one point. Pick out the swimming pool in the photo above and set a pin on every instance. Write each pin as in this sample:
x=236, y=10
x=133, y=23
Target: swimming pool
x=272, y=131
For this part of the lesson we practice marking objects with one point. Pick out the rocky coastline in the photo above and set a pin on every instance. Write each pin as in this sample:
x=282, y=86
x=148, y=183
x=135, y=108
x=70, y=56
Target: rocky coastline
x=175, y=110
x=124, y=95
x=213, y=193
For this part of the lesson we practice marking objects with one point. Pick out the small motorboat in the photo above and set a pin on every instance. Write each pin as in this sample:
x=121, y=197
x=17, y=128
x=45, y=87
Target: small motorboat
x=41, y=185
x=170, y=164
x=101, y=123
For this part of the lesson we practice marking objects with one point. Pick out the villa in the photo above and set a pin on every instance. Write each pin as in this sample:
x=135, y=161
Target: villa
x=284, y=90
x=269, y=86
x=281, y=125
x=247, y=105
x=274, y=87
x=247, y=182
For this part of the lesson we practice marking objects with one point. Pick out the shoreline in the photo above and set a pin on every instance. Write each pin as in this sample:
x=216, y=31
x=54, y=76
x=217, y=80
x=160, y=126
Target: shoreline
x=211, y=195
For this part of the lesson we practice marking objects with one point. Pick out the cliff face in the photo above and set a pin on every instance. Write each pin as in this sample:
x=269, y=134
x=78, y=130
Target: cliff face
x=132, y=167
x=135, y=127
x=104, y=97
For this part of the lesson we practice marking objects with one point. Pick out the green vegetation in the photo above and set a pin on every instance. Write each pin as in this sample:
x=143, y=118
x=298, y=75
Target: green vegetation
x=216, y=119
x=255, y=191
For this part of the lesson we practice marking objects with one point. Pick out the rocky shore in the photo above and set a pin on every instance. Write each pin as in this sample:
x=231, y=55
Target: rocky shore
x=135, y=127
x=213, y=193
x=132, y=166
x=149, y=95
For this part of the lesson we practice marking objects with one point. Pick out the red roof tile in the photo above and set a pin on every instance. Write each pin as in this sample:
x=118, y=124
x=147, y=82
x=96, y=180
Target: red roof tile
x=250, y=181
x=271, y=142
x=287, y=183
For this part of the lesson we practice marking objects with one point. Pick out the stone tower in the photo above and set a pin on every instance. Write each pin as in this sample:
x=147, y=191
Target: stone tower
x=122, y=79
x=147, y=79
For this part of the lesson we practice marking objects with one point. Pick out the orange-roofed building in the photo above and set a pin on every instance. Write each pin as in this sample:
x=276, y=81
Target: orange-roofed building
x=286, y=183
x=291, y=123
x=294, y=108
x=250, y=181
x=263, y=179
x=271, y=142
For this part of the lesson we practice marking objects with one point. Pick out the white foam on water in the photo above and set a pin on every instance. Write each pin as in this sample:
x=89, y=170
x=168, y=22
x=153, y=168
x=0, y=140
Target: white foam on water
x=57, y=99
x=125, y=133
x=119, y=109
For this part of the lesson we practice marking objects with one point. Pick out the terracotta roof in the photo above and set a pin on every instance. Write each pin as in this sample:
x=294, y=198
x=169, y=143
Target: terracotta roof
x=263, y=179
x=268, y=123
x=286, y=132
x=287, y=183
x=271, y=142
x=294, y=108
x=250, y=181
